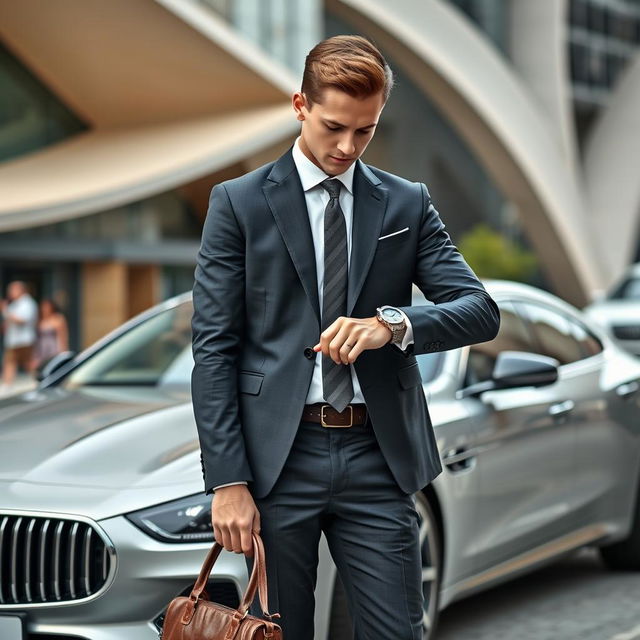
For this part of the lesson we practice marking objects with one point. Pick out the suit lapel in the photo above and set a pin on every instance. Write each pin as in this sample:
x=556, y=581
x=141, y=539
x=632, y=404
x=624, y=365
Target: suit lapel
x=285, y=197
x=370, y=203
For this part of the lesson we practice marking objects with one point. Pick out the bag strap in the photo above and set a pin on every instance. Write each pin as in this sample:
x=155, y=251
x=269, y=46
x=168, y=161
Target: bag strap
x=257, y=580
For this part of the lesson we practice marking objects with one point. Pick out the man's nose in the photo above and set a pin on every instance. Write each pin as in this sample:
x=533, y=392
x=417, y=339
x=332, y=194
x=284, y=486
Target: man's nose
x=346, y=145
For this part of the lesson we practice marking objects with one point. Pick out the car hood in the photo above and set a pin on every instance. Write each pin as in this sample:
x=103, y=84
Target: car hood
x=97, y=451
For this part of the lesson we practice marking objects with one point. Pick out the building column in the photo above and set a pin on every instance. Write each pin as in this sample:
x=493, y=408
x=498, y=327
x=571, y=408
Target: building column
x=113, y=292
x=104, y=299
x=143, y=287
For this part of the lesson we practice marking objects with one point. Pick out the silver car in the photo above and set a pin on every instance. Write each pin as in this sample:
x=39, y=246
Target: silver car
x=619, y=311
x=103, y=519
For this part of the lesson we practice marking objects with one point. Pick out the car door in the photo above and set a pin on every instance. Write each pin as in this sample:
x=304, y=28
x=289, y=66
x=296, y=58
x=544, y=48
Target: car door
x=608, y=442
x=525, y=444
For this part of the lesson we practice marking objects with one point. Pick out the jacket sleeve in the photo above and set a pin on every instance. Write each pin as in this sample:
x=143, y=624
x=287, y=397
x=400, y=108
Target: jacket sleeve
x=463, y=312
x=218, y=327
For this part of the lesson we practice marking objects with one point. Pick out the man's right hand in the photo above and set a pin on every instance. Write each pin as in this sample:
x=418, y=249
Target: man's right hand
x=234, y=516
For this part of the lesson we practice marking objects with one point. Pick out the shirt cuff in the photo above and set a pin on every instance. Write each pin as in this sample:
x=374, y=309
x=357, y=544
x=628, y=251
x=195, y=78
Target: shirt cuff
x=408, y=334
x=229, y=484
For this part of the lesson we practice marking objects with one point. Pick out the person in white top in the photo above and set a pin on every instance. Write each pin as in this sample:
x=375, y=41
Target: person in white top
x=20, y=316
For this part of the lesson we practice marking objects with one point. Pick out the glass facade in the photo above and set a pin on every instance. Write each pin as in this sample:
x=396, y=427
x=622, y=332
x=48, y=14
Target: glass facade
x=490, y=16
x=286, y=29
x=160, y=218
x=31, y=117
x=603, y=36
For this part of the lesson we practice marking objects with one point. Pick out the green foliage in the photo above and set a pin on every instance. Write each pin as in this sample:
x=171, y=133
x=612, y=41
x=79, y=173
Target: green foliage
x=492, y=255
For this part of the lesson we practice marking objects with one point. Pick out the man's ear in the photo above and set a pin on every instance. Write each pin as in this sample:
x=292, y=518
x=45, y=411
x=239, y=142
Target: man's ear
x=299, y=104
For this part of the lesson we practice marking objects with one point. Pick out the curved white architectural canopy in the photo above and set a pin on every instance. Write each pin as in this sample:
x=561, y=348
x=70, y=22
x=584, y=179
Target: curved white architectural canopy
x=612, y=175
x=103, y=169
x=153, y=79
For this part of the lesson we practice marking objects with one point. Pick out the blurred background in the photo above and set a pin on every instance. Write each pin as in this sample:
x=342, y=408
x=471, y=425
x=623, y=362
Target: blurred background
x=117, y=117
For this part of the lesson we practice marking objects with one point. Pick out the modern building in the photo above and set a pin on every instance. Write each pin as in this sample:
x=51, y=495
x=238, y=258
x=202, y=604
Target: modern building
x=117, y=117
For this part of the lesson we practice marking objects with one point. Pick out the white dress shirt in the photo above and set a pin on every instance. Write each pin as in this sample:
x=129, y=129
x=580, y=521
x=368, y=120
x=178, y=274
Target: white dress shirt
x=316, y=198
x=21, y=334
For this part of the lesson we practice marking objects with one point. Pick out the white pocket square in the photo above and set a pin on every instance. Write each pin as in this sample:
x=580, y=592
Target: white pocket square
x=395, y=233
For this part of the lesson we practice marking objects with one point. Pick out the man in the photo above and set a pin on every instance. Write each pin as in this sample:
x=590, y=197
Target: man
x=20, y=314
x=306, y=392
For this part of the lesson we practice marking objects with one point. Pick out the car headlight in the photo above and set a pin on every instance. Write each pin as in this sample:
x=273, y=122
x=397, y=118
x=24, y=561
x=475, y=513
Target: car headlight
x=184, y=520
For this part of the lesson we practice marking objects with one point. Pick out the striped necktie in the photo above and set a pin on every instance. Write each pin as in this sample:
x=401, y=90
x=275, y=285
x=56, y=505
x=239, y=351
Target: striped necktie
x=336, y=378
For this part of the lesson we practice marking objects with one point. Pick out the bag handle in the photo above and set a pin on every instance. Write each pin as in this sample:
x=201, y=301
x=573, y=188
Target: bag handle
x=257, y=580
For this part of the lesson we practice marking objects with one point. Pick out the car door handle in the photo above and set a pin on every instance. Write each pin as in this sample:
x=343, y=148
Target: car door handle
x=627, y=389
x=459, y=459
x=561, y=409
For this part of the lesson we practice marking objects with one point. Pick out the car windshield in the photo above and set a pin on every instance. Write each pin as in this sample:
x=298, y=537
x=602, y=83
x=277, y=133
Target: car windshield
x=156, y=352
x=628, y=290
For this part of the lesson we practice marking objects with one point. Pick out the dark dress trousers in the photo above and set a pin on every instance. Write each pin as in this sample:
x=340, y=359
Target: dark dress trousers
x=256, y=317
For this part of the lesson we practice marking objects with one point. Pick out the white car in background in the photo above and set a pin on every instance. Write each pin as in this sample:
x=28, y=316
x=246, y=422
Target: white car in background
x=619, y=311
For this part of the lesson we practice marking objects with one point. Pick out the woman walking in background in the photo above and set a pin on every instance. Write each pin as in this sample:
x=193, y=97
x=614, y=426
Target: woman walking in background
x=53, y=334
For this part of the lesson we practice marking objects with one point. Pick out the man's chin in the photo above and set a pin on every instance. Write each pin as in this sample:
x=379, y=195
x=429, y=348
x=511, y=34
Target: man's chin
x=334, y=167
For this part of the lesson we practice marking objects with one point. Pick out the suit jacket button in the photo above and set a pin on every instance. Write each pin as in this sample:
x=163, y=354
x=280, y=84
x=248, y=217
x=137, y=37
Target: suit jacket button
x=309, y=353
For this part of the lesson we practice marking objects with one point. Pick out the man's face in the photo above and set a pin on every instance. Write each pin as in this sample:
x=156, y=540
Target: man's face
x=336, y=131
x=14, y=290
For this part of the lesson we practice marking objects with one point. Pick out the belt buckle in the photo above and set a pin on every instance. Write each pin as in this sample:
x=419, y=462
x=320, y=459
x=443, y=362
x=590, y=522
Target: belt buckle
x=337, y=426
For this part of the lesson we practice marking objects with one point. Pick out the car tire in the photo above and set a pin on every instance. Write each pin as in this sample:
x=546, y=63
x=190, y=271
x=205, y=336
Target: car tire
x=432, y=554
x=625, y=555
x=340, y=624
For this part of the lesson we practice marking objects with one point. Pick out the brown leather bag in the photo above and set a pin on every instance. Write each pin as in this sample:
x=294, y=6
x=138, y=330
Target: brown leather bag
x=196, y=618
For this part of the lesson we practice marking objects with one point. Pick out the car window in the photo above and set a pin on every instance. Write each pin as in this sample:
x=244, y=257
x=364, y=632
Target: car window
x=512, y=336
x=628, y=290
x=554, y=332
x=155, y=352
x=589, y=343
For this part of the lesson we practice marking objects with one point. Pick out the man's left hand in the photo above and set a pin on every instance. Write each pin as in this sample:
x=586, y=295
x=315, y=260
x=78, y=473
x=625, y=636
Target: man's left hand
x=346, y=338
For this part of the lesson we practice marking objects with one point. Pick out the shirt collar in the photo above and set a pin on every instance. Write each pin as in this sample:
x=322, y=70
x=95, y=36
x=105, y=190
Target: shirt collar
x=311, y=175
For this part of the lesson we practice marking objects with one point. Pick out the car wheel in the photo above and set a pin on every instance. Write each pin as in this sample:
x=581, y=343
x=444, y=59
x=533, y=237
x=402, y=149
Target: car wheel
x=431, y=566
x=625, y=555
x=340, y=625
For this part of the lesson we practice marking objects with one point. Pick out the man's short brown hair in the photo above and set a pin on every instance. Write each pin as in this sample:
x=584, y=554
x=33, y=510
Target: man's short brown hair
x=351, y=64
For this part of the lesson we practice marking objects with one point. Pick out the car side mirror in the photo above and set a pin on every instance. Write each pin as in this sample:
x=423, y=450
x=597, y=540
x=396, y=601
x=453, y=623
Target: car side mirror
x=54, y=364
x=515, y=369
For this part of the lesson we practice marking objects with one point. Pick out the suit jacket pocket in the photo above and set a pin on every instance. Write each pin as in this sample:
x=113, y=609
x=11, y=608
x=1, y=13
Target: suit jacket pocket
x=396, y=240
x=250, y=382
x=410, y=376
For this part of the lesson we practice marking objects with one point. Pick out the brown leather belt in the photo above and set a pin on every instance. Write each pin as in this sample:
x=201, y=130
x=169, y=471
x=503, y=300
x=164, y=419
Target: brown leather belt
x=327, y=416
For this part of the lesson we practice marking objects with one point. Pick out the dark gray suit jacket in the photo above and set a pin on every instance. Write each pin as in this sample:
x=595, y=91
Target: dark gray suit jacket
x=256, y=314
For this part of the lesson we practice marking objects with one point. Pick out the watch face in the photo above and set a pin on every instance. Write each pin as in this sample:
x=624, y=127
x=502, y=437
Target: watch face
x=392, y=316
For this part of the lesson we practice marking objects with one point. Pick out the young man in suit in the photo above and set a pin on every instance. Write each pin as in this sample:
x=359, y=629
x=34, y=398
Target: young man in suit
x=306, y=391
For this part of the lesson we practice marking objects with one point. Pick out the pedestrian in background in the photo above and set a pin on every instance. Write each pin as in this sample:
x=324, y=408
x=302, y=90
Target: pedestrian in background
x=20, y=314
x=52, y=334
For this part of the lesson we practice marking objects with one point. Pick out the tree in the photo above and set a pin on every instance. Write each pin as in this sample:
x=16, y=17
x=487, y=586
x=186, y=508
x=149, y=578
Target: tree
x=492, y=255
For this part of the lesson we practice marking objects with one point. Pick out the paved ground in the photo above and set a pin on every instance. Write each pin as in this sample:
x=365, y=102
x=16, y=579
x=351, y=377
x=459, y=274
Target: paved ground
x=22, y=383
x=575, y=599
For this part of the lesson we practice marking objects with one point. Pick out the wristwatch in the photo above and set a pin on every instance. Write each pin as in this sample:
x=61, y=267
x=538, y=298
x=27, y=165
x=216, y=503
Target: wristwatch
x=393, y=318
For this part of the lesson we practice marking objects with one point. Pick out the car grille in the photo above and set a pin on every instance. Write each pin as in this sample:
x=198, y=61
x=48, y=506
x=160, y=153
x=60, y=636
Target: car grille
x=50, y=559
x=627, y=332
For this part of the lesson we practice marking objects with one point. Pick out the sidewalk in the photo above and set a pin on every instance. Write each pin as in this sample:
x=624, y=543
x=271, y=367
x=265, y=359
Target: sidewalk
x=22, y=383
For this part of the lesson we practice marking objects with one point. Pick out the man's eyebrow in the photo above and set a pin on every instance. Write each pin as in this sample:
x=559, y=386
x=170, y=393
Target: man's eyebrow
x=339, y=124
